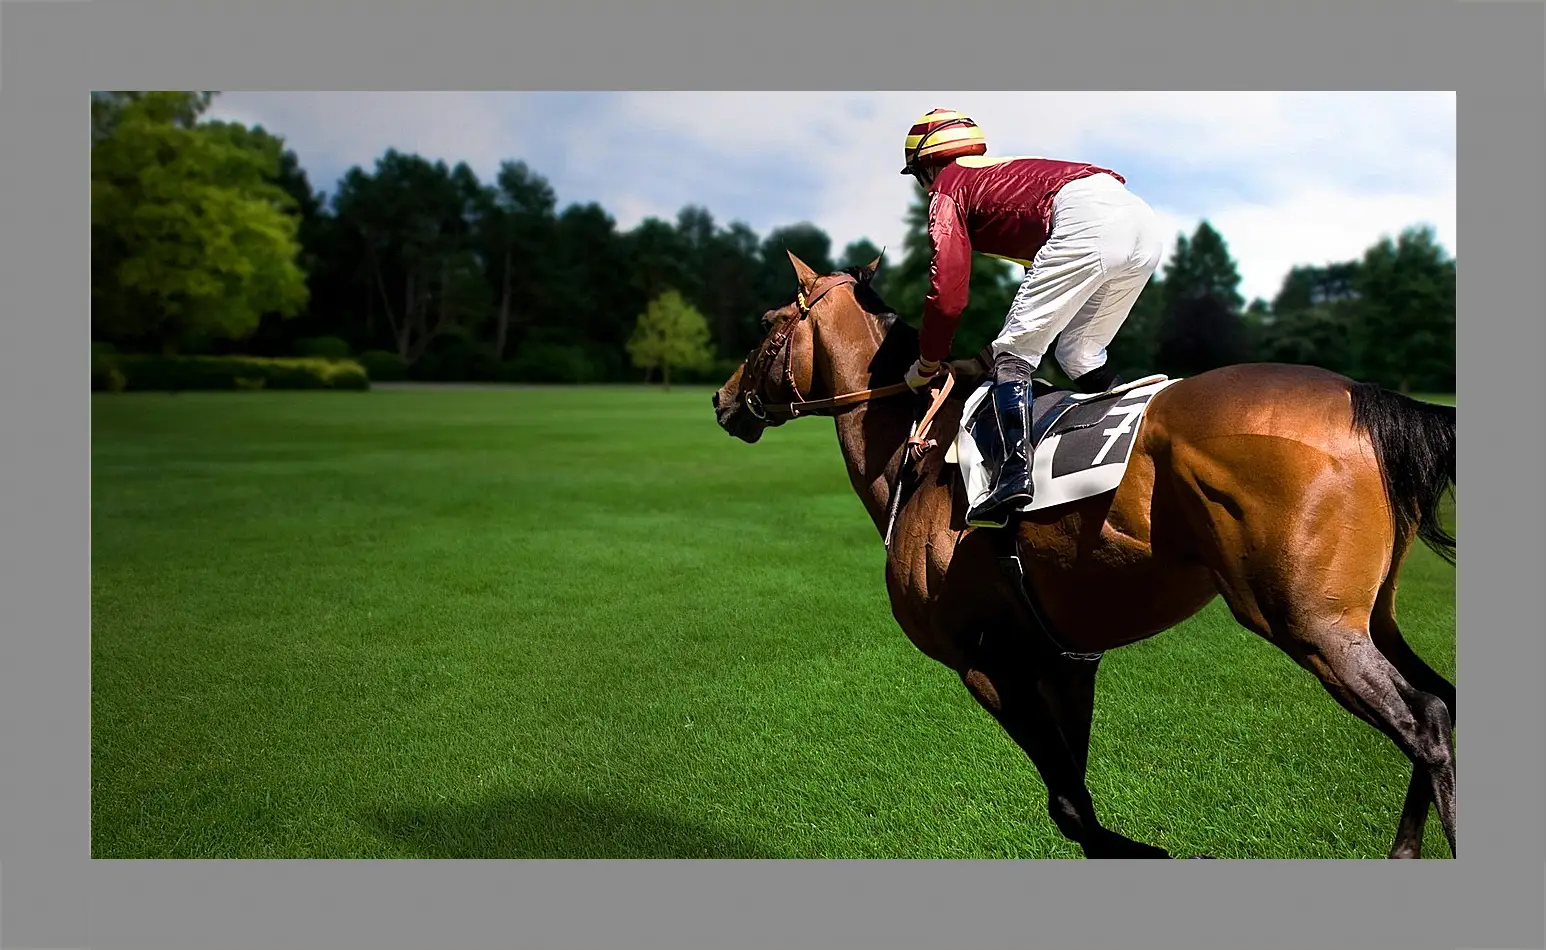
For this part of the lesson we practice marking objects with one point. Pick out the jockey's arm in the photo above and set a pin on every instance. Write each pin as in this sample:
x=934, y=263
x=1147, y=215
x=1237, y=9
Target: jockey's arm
x=950, y=271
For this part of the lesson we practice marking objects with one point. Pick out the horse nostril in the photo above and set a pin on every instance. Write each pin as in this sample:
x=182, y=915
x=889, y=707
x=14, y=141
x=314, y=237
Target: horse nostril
x=714, y=400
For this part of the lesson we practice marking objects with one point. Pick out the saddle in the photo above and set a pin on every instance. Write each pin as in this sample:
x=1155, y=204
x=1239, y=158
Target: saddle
x=1053, y=411
x=1089, y=461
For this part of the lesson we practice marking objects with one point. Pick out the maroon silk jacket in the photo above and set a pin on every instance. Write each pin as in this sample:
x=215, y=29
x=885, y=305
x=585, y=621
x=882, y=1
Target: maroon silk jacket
x=996, y=206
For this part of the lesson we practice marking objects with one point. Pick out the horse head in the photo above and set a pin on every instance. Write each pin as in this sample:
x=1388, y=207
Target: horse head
x=816, y=348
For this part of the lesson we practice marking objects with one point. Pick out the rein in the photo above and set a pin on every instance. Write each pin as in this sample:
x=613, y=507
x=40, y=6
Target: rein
x=914, y=451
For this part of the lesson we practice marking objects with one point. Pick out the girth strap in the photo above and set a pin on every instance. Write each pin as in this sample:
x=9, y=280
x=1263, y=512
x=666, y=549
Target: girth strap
x=1015, y=574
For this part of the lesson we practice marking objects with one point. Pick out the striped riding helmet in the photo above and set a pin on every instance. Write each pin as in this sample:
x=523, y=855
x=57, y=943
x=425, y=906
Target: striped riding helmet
x=939, y=137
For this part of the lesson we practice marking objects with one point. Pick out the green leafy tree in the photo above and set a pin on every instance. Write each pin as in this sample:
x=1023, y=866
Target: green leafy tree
x=718, y=271
x=1201, y=266
x=1313, y=318
x=695, y=229
x=411, y=227
x=661, y=259
x=1199, y=325
x=694, y=238
x=1201, y=334
x=182, y=109
x=776, y=284
x=278, y=334
x=732, y=266
x=1316, y=335
x=516, y=225
x=860, y=252
x=1406, y=337
x=1305, y=287
x=1132, y=351
x=192, y=239
x=592, y=301
x=1255, y=320
x=670, y=334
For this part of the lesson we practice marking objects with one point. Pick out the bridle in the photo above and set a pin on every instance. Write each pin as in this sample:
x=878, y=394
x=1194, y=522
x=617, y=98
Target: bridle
x=778, y=344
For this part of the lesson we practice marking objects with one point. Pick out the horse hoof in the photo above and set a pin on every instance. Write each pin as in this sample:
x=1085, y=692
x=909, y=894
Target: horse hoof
x=1140, y=853
x=1202, y=857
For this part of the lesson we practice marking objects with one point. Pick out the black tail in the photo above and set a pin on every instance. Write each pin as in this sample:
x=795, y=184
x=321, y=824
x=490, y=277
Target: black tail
x=1415, y=443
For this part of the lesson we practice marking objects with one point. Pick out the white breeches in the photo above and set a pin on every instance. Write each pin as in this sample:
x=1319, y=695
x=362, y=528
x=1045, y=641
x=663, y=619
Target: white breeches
x=1104, y=244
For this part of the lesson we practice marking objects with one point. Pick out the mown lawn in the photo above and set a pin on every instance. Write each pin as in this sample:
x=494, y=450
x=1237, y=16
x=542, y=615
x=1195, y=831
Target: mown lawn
x=586, y=623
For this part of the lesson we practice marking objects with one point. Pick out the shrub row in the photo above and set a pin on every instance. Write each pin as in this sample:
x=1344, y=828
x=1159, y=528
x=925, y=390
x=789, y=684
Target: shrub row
x=324, y=348
x=324, y=368
x=533, y=363
x=172, y=373
x=537, y=363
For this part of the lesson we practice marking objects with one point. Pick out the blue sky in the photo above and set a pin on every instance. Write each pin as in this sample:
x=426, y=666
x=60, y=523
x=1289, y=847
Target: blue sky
x=1288, y=178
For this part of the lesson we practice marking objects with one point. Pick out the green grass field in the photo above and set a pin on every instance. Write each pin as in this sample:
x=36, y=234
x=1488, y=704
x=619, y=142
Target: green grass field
x=586, y=623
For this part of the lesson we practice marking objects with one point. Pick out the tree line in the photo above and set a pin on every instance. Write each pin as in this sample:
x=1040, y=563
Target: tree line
x=208, y=238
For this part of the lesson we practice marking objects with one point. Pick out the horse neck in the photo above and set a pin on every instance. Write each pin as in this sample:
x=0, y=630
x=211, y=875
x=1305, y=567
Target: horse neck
x=870, y=435
x=871, y=438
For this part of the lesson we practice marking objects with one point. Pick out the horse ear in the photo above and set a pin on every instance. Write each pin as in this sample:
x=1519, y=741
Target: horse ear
x=803, y=271
x=874, y=266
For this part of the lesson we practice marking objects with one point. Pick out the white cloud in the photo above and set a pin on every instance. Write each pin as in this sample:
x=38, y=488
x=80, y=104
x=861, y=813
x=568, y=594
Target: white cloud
x=1315, y=226
x=1287, y=178
x=344, y=129
x=1330, y=172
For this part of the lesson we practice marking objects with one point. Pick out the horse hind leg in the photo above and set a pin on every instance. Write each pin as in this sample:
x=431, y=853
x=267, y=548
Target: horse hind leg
x=1310, y=585
x=1365, y=682
x=1387, y=637
x=1325, y=639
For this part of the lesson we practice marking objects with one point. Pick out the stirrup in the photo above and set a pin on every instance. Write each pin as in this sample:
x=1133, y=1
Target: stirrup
x=997, y=514
x=979, y=520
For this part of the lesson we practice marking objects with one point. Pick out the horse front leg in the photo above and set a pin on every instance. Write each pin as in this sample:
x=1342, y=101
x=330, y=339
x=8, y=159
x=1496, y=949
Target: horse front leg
x=1068, y=687
x=1045, y=705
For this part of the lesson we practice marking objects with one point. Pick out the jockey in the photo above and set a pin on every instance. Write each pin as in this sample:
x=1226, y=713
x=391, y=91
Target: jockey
x=1087, y=243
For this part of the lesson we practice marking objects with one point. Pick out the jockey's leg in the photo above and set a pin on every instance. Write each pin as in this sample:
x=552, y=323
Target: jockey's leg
x=1061, y=278
x=1012, y=487
x=1132, y=243
x=1081, y=350
x=1063, y=275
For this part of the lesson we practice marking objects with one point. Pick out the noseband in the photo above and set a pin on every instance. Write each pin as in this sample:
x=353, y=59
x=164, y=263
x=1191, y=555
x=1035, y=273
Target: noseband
x=778, y=343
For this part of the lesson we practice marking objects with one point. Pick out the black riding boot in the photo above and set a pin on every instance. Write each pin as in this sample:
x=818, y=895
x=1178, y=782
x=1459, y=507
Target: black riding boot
x=1100, y=380
x=1012, y=489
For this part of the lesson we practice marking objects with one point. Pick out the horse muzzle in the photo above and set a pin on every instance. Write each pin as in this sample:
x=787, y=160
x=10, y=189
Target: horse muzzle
x=740, y=417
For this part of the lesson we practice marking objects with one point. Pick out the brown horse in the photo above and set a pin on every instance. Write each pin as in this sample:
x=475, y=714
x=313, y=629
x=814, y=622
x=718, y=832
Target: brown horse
x=1292, y=492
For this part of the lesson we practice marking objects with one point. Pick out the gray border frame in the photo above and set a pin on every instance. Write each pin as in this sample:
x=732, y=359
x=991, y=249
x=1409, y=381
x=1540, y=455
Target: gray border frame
x=1489, y=52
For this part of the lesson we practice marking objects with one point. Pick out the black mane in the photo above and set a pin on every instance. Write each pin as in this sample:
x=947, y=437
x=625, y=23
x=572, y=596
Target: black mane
x=868, y=298
x=900, y=345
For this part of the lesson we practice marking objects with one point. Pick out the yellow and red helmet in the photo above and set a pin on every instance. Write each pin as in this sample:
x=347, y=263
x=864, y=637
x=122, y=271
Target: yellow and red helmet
x=940, y=136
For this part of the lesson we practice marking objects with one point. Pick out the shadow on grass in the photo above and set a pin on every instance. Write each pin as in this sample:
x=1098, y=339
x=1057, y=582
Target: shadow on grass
x=549, y=825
